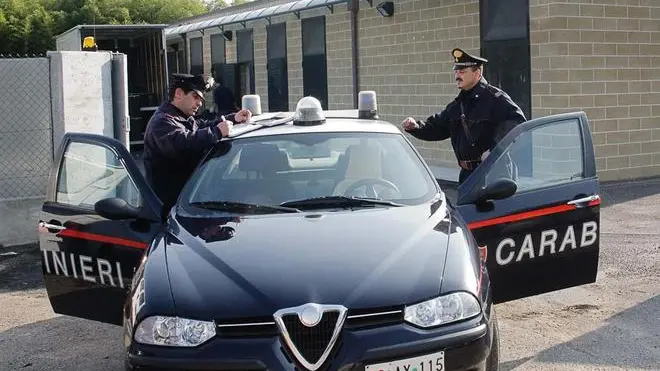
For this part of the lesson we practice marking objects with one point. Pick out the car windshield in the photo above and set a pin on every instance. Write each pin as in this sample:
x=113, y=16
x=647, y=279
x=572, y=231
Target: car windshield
x=294, y=171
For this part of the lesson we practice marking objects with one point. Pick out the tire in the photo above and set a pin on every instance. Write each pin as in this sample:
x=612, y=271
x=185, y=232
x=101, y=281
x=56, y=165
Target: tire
x=493, y=360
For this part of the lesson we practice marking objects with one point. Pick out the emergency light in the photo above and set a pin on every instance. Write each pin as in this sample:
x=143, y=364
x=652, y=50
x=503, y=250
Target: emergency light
x=89, y=44
x=252, y=103
x=308, y=112
x=367, y=105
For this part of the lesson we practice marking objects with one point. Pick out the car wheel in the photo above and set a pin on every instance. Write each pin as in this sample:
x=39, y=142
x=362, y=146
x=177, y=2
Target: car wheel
x=493, y=361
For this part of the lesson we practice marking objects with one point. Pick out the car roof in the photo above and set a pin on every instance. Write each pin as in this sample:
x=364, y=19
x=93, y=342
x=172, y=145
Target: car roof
x=336, y=121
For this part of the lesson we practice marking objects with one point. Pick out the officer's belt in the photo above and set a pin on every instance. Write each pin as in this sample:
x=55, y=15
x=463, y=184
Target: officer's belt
x=468, y=164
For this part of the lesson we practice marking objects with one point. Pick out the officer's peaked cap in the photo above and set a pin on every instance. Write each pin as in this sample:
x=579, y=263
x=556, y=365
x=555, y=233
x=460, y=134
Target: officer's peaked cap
x=199, y=83
x=463, y=59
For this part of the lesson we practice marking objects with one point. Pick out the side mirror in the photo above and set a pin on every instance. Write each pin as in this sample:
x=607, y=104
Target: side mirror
x=500, y=189
x=116, y=209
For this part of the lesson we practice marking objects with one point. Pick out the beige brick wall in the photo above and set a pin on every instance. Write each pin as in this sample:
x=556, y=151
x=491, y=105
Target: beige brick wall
x=557, y=151
x=602, y=57
x=260, y=69
x=340, y=58
x=338, y=54
x=231, y=55
x=407, y=60
x=206, y=52
x=294, y=62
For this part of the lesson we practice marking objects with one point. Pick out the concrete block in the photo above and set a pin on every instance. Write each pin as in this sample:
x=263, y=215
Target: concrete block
x=81, y=88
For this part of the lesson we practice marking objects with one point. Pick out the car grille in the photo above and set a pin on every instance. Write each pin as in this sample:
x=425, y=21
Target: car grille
x=262, y=327
x=311, y=342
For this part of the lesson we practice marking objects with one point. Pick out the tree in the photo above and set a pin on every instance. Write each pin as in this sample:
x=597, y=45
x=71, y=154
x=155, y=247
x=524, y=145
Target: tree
x=164, y=11
x=40, y=26
x=30, y=26
x=101, y=12
x=213, y=5
x=15, y=29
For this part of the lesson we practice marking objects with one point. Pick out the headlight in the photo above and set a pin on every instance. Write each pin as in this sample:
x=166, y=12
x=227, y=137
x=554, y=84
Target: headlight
x=442, y=310
x=174, y=331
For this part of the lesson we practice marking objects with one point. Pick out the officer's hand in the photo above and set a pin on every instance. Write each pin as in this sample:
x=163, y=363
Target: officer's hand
x=409, y=124
x=243, y=115
x=225, y=127
x=484, y=155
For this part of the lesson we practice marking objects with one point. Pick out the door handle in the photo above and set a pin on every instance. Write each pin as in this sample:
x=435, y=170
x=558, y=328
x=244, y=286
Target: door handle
x=51, y=226
x=583, y=200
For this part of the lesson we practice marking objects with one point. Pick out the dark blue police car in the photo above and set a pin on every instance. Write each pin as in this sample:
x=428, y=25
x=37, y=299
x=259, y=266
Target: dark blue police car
x=319, y=240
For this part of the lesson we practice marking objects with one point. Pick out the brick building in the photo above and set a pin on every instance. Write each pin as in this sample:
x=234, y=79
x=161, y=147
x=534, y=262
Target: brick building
x=551, y=56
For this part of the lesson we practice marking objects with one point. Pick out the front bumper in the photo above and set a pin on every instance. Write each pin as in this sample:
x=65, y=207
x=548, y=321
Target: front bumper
x=466, y=346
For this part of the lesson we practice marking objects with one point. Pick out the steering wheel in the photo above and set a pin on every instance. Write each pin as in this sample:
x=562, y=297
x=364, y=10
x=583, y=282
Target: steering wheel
x=371, y=191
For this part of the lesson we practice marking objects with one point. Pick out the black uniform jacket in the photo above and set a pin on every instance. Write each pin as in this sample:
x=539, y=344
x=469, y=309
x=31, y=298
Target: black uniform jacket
x=174, y=143
x=489, y=115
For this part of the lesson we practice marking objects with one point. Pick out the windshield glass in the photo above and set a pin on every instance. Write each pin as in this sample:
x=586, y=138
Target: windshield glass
x=273, y=170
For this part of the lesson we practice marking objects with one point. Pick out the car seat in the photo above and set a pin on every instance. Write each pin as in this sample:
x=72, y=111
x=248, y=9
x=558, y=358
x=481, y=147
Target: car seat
x=263, y=184
x=363, y=161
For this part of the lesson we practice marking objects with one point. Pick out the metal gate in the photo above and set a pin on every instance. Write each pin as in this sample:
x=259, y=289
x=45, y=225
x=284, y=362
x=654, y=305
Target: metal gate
x=26, y=142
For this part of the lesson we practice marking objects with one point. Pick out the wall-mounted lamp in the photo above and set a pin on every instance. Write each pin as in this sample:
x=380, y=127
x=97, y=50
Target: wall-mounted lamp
x=227, y=35
x=386, y=8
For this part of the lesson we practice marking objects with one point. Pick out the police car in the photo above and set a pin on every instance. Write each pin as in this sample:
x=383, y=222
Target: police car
x=319, y=240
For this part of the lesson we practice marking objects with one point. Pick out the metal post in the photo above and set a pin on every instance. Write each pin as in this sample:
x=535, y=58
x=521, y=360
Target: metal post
x=354, y=7
x=166, y=67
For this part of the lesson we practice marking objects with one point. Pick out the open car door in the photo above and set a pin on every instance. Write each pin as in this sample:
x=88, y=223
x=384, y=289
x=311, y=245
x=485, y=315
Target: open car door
x=534, y=206
x=97, y=219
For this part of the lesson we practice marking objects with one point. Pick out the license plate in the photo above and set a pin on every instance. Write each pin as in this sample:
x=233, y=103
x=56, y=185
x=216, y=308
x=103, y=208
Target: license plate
x=428, y=362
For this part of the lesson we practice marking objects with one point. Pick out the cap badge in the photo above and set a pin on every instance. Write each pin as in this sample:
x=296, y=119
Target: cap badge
x=457, y=54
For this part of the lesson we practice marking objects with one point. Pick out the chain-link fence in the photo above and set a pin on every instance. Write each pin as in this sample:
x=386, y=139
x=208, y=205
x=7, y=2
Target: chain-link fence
x=25, y=127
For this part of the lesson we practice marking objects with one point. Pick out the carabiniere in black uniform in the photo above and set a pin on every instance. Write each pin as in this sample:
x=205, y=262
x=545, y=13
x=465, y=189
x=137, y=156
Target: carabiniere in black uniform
x=175, y=142
x=174, y=145
x=476, y=120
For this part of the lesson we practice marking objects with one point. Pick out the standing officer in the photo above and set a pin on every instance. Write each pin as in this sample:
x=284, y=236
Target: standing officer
x=476, y=120
x=223, y=98
x=175, y=141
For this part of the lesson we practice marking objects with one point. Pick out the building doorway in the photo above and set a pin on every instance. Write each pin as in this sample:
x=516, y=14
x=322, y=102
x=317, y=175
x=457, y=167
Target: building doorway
x=315, y=68
x=278, y=77
x=245, y=59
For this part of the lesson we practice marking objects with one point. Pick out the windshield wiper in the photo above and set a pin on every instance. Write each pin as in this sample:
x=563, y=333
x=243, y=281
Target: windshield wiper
x=337, y=201
x=242, y=206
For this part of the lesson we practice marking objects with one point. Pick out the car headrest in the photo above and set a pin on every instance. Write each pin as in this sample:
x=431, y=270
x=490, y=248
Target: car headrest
x=262, y=158
x=364, y=161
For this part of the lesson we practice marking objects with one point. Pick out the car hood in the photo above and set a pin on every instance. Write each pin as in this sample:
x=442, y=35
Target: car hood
x=254, y=265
